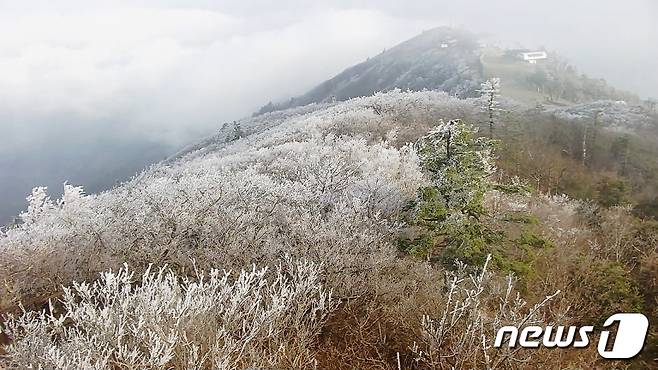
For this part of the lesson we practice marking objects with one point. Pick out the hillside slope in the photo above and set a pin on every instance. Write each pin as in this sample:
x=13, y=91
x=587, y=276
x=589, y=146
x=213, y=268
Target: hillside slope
x=237, y=202
x=329, y=197
x=345, y=234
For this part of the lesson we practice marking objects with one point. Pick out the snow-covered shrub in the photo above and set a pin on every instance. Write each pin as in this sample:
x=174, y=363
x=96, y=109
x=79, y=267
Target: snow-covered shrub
x=257, y=319
x=460, y=335
x=315, y=182
x=48, y=245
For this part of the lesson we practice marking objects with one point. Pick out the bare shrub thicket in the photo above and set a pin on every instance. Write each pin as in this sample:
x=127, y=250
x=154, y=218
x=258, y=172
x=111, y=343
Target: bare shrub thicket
x=256, y=319
x=447, y=320
x=461, y=332
x=596, y=255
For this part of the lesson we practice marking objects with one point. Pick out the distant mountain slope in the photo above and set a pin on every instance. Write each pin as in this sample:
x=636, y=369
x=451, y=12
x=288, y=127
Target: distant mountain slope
x=552, y=81
x=614, y=115
x=439, y=59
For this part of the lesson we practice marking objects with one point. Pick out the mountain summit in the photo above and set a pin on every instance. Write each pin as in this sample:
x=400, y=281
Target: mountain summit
x=441, y=59
x=457, y=62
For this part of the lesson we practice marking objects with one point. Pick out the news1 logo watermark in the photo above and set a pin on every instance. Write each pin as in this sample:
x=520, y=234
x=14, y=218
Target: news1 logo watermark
x=628, y=342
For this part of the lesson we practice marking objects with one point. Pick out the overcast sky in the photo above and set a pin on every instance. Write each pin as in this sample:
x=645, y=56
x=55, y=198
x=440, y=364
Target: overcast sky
x=76, y=73
x=173, y=69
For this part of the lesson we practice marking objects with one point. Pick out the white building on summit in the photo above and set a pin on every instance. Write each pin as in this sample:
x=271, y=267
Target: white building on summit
x=533, y=56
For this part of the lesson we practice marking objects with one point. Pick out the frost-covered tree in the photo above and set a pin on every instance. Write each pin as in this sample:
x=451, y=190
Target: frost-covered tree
x=236, y=132
x=590, y=135
x=651, y=104
x=460, y=166
x=490, y=95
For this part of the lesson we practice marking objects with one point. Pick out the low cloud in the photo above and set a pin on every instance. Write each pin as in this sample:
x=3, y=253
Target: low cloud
x=175, y=73
x=174, y=70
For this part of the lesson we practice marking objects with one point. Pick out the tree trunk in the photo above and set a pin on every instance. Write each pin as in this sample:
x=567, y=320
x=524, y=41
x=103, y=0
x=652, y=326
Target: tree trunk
x=584, y=159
